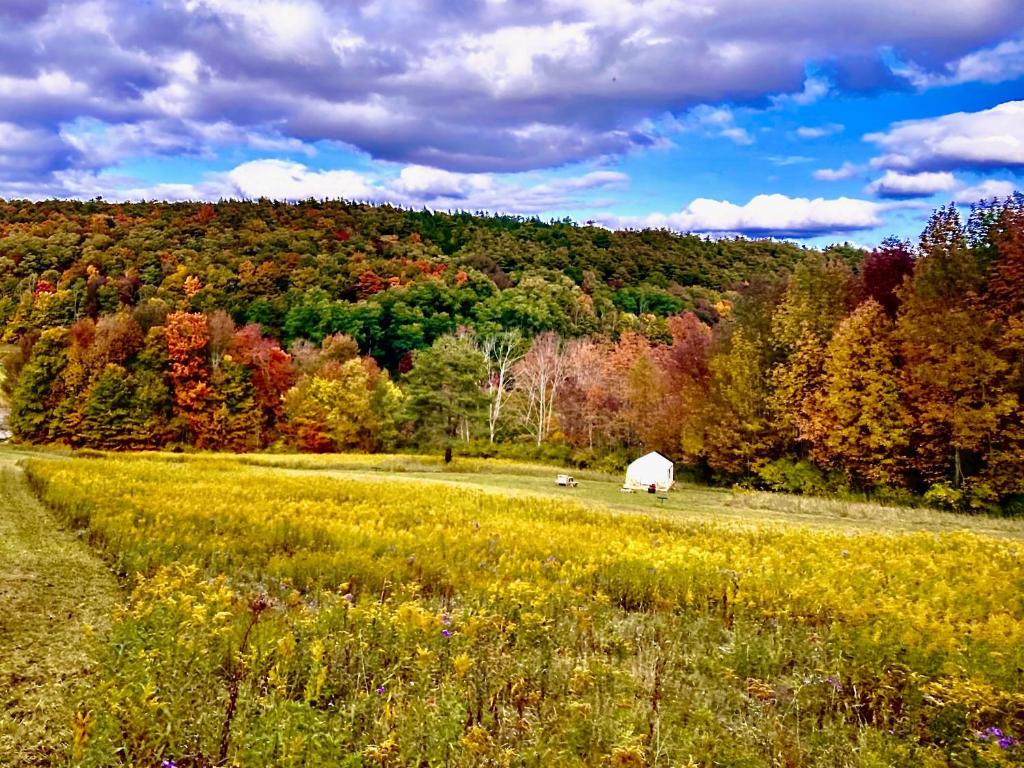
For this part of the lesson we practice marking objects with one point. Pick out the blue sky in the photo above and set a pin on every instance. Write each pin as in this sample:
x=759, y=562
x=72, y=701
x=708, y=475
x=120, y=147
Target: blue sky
x=809, y=120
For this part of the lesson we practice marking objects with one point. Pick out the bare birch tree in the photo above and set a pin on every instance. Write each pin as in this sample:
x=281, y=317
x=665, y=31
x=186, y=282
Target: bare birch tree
x=538, y=376
x=502, y=351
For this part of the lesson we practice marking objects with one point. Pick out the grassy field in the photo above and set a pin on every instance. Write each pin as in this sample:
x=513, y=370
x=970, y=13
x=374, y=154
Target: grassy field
x=361, y=610
x=599, y=490
x=685, y=502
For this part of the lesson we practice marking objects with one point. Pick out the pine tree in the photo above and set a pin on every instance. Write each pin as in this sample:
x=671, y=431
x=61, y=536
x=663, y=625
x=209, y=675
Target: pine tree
x=794, y=385
x=585, y=407
x=109, y=417
x=271, y=375
x=815, y=302
x=38, y=390
x=1003, y=475
x=445, y=389
x=686, y=366
x=154, y=398
x=235, y=420
x=1006, y=274
x=333, y=409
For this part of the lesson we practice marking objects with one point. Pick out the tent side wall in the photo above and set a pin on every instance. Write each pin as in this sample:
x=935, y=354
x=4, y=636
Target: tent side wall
x=647, y=470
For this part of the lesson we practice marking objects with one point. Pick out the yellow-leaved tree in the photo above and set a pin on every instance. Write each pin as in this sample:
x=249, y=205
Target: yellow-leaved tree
x=858, y=422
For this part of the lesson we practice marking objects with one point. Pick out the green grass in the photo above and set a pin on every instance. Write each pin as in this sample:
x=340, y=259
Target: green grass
x=51, y=586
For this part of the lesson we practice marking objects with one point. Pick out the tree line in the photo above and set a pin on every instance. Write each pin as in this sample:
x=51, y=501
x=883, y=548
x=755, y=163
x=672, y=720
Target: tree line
x=897, y=371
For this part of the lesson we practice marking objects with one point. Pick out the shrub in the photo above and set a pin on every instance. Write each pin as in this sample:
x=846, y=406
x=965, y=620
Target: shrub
x=801, y=477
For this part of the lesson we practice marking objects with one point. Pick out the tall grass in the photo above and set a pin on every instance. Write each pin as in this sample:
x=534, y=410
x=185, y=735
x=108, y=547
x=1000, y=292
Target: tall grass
x=282, y=619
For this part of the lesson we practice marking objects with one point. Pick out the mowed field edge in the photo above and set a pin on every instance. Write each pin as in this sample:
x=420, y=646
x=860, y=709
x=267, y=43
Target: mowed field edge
x=52, y=588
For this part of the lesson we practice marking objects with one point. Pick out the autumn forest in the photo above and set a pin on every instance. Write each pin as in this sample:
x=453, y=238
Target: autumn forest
x=326, y=326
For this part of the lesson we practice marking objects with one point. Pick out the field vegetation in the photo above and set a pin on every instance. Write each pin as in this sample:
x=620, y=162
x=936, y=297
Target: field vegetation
x=391, y=611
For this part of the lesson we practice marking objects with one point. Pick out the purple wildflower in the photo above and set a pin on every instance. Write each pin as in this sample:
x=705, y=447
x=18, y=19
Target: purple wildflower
x=446, y=633
x=380, y=690
x=1000, y=738
x=446, y=619
x=168, y=764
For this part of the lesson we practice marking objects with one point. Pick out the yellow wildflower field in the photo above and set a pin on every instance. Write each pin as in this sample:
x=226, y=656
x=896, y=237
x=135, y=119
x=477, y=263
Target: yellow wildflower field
x=277, y=618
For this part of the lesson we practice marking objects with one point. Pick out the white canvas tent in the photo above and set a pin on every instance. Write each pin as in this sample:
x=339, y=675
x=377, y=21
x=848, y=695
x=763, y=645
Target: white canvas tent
x=652, y=469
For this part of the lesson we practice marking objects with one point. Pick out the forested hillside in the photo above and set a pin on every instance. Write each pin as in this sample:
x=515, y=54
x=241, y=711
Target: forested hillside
x=393, y=279
x=329, y=326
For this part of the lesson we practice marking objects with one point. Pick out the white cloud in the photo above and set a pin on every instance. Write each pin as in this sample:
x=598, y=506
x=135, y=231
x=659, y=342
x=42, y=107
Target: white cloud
x=593, y=180
x=493, y=87
x=280, y=28
x=422, y=182
x=84, y=184
x=470, y=87
x=991, y=138
x=506, y=62
x=716, y=121
x=53, y=83
x=415, y=186
x=986, y=190
x=900, y=185
x=712, y=117
x=846, y=171
x=820, y=131
x=512, y=193
x=784, y=160
x=815, y=89
x=991, y=65
x=738, y=135
x=14, y=138
x=29, y=152
x=285, y=180
x=103, y=144
x=777, y=215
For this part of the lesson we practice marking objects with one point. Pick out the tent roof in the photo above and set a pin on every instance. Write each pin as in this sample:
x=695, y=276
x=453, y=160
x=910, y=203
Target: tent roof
x=652, y=459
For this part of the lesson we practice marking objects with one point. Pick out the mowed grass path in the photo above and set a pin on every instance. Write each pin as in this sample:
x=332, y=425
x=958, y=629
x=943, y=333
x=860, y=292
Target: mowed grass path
x=51, y=585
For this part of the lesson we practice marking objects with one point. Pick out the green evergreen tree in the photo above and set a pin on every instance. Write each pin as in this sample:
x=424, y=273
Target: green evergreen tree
x=445, y=391
x=109, y=417
x=38, y=391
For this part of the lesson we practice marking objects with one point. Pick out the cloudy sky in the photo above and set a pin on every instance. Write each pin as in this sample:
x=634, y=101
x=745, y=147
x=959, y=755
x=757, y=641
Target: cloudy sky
x=809, y=119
